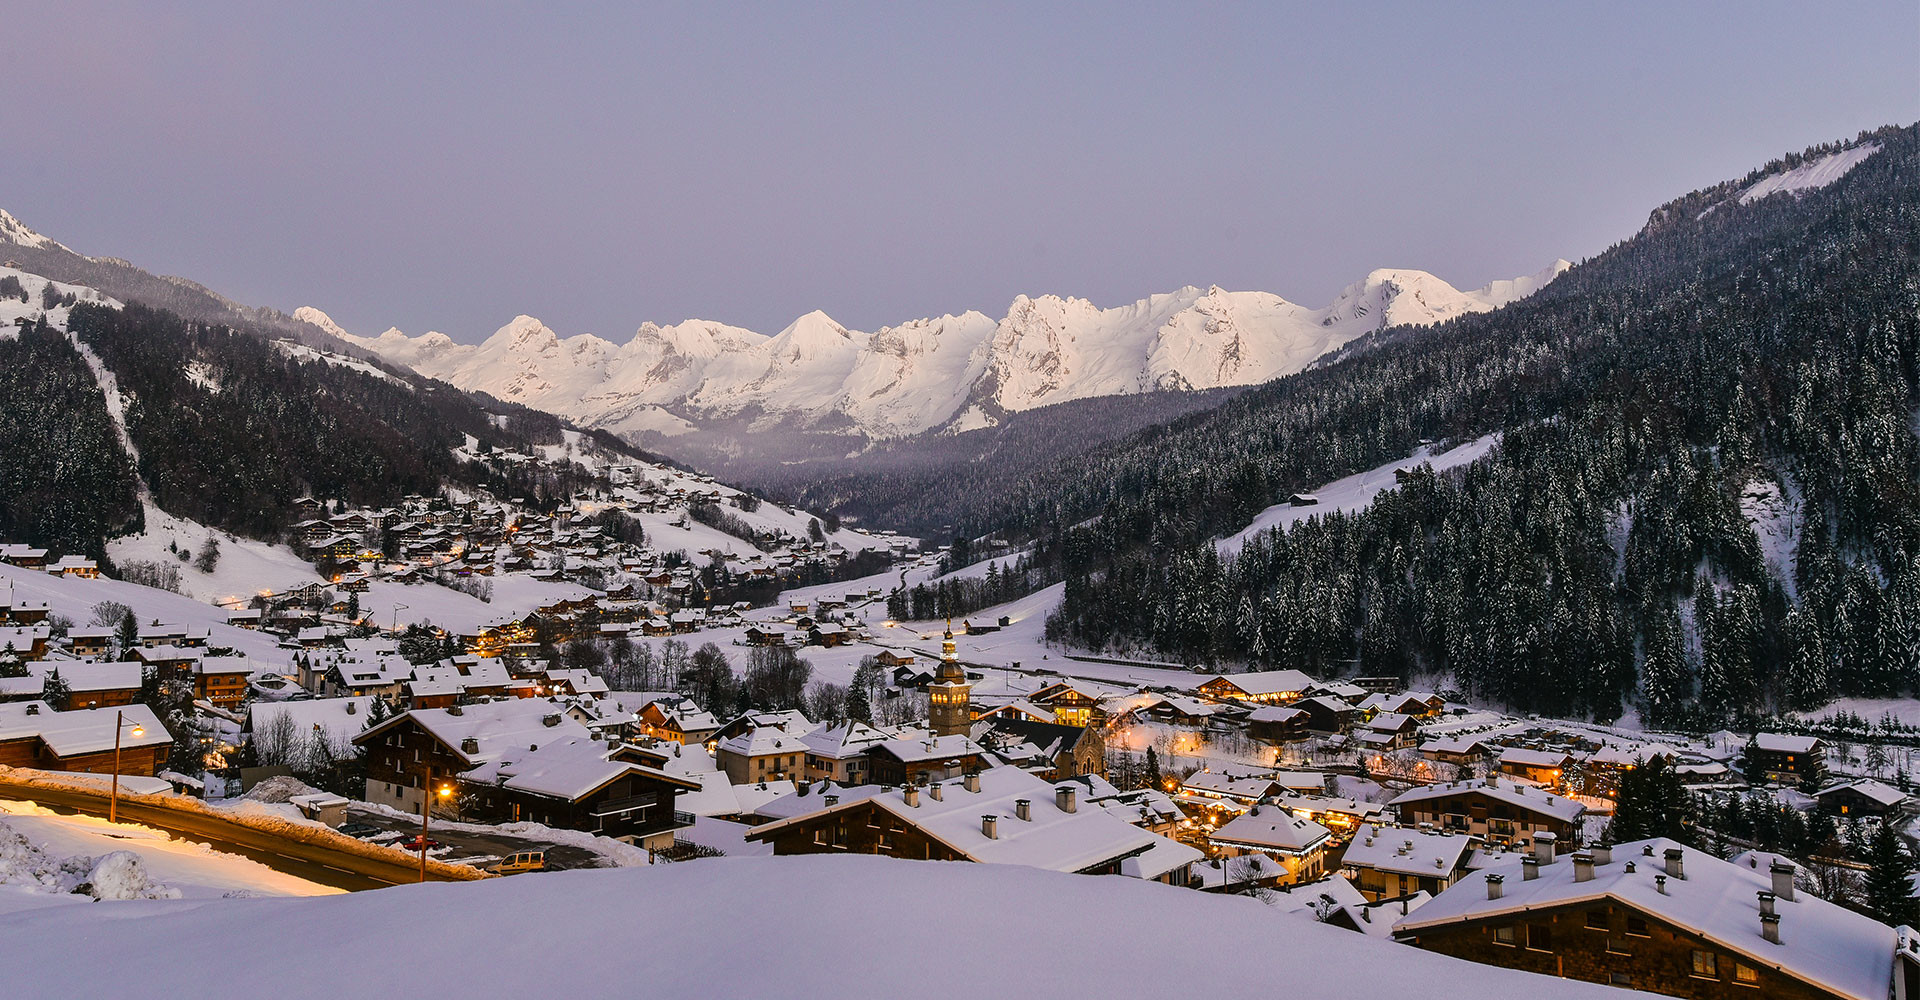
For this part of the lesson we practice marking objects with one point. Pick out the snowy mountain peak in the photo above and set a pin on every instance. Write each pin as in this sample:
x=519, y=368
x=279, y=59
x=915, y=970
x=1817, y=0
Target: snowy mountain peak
x=950, y=372
x=14, y=231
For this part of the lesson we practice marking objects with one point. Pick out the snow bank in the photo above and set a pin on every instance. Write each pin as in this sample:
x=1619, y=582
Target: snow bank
x=1135, y=939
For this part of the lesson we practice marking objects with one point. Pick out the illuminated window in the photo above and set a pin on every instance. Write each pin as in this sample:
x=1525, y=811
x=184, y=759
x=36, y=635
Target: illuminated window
x=1707, y=964
x=1744, y=973
x=1503, y=935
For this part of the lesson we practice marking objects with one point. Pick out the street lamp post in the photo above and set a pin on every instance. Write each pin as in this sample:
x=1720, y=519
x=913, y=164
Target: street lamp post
x=113, y=800
x=427, y=792
x=397, y=608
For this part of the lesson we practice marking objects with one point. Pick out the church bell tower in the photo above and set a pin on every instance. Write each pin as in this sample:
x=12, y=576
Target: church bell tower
x=949, y=697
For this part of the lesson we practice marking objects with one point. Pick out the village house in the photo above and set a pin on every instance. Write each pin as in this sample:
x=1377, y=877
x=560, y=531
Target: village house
x=1327, y=714
x=89, y=643
x=1266, y=687
x=1067, y=750
x=580, y=783
x=1070, y=705
x=1277, y=724
x=1546, y=768
x=1459, y=751
x=1655, y=916
x=1001, y=815
x=1864, y=797
x=1389, y=862
x=221, y=681
x=100, y=685
x=1787, y=760
x=1499, y=810
x=925, y=759
x=75, y=567
x=29, y=643
x=1388, y=732
x=677, y=719
x=763, y=753
x=33, y=735
x=1299, y=844
x=838, y=751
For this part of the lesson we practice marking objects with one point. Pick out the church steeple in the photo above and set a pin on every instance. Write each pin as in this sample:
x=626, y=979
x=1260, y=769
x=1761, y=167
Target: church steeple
x=949, y=697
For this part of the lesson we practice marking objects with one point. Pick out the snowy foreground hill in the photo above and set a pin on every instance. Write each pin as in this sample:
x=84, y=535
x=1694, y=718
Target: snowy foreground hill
x=951, y=372
x=760, y=927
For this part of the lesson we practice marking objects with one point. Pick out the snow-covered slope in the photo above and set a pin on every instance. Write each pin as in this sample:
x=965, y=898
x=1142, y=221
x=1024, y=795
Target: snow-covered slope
x=953, y=372
x=909, y=927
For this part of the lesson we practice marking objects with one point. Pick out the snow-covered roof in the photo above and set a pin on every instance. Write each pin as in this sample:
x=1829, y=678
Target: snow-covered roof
x=762, y=741
x=1783, y=743
x=1408, y=852
x=1502, y=789
x=494, y=726
x=84, y=677
x=1523, y=757
x=340, y=719
x=1265, y=682
x=1830, y=946
x=1050, y=838
x=841, y=740
x=1272, y=829
x=569, y=768
x=83, y=731
x=1166, y=855
x=1877, y=791
x=914, y=749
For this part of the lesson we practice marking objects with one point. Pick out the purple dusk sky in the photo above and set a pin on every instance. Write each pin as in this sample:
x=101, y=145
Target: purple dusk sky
x=597, y=166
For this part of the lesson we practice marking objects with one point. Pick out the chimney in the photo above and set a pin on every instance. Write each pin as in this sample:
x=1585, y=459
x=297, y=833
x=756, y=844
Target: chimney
x=934, y=790
x=1602, y=855
x=1494, y=890
x=1583, y=866
x=1676, y=864
x=832, y=800
x=1782, y=873
x=470, y=746
x=1770, y=927
x=1660, y=884
x=1766, y=901
x=1023, y=809
x=1629, y=867
x=1646, y=850
x=912, y=794
x=1543, y=843
x=1529, y=868
x=1063, y=797
x=990, y=825
x=972, y=781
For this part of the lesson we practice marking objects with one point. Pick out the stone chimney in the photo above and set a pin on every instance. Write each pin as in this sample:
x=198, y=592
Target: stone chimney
x=1543, y=844
x=1602, y=855
x=1782, y=873
x=1583, y=866
x=1770, y=927
x=1766, y=901
x=972, y=781
x=1064, y=798
x=912, y=794
x=1676, y=863
x=934, y=790
x=990, y=825
x=832, y=800
x=1023, y=809
x=1529, y=868
x=1494, y=890
x=1660, y=884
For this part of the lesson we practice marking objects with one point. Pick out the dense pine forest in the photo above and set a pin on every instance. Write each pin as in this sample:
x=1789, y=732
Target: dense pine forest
x=229, y=428
x=1601, y=555
x=65, y=482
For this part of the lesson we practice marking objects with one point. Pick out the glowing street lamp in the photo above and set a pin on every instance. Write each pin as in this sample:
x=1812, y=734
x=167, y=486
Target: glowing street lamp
x=113, y=801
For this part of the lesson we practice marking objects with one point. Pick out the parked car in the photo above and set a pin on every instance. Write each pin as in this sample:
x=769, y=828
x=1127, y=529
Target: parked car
x=358, y=829
x=413, y=843
x=523, y=861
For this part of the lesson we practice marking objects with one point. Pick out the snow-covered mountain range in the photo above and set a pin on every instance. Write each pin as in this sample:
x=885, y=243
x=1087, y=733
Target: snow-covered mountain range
x=950, y=372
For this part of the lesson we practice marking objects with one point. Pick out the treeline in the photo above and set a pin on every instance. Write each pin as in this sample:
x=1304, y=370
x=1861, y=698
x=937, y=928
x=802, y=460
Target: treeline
x=65, y=482
x=957, y=597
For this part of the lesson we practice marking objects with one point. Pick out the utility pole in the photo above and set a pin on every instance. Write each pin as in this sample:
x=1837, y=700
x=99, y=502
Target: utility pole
x=426, y=810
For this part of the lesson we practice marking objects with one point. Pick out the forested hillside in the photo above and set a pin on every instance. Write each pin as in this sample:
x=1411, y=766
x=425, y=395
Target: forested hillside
x=65, y=482
x=230, y=426
x=1606, y=551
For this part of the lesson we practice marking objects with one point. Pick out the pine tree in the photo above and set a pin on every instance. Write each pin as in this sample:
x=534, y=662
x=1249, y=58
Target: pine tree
x=127, y=635
x=1154, y=778
x=1888, y=889
x=55, y=691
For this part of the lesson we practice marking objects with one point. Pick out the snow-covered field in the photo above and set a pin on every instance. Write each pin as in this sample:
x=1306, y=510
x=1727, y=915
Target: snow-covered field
x=195, y=870
x=245, y=568
x=738, y=927
x=76, y=598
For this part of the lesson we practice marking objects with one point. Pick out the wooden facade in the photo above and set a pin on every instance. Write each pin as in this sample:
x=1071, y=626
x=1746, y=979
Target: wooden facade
x=1611, y=943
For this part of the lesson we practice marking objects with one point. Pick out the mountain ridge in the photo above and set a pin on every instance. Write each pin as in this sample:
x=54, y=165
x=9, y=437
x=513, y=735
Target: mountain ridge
x=946, y=373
